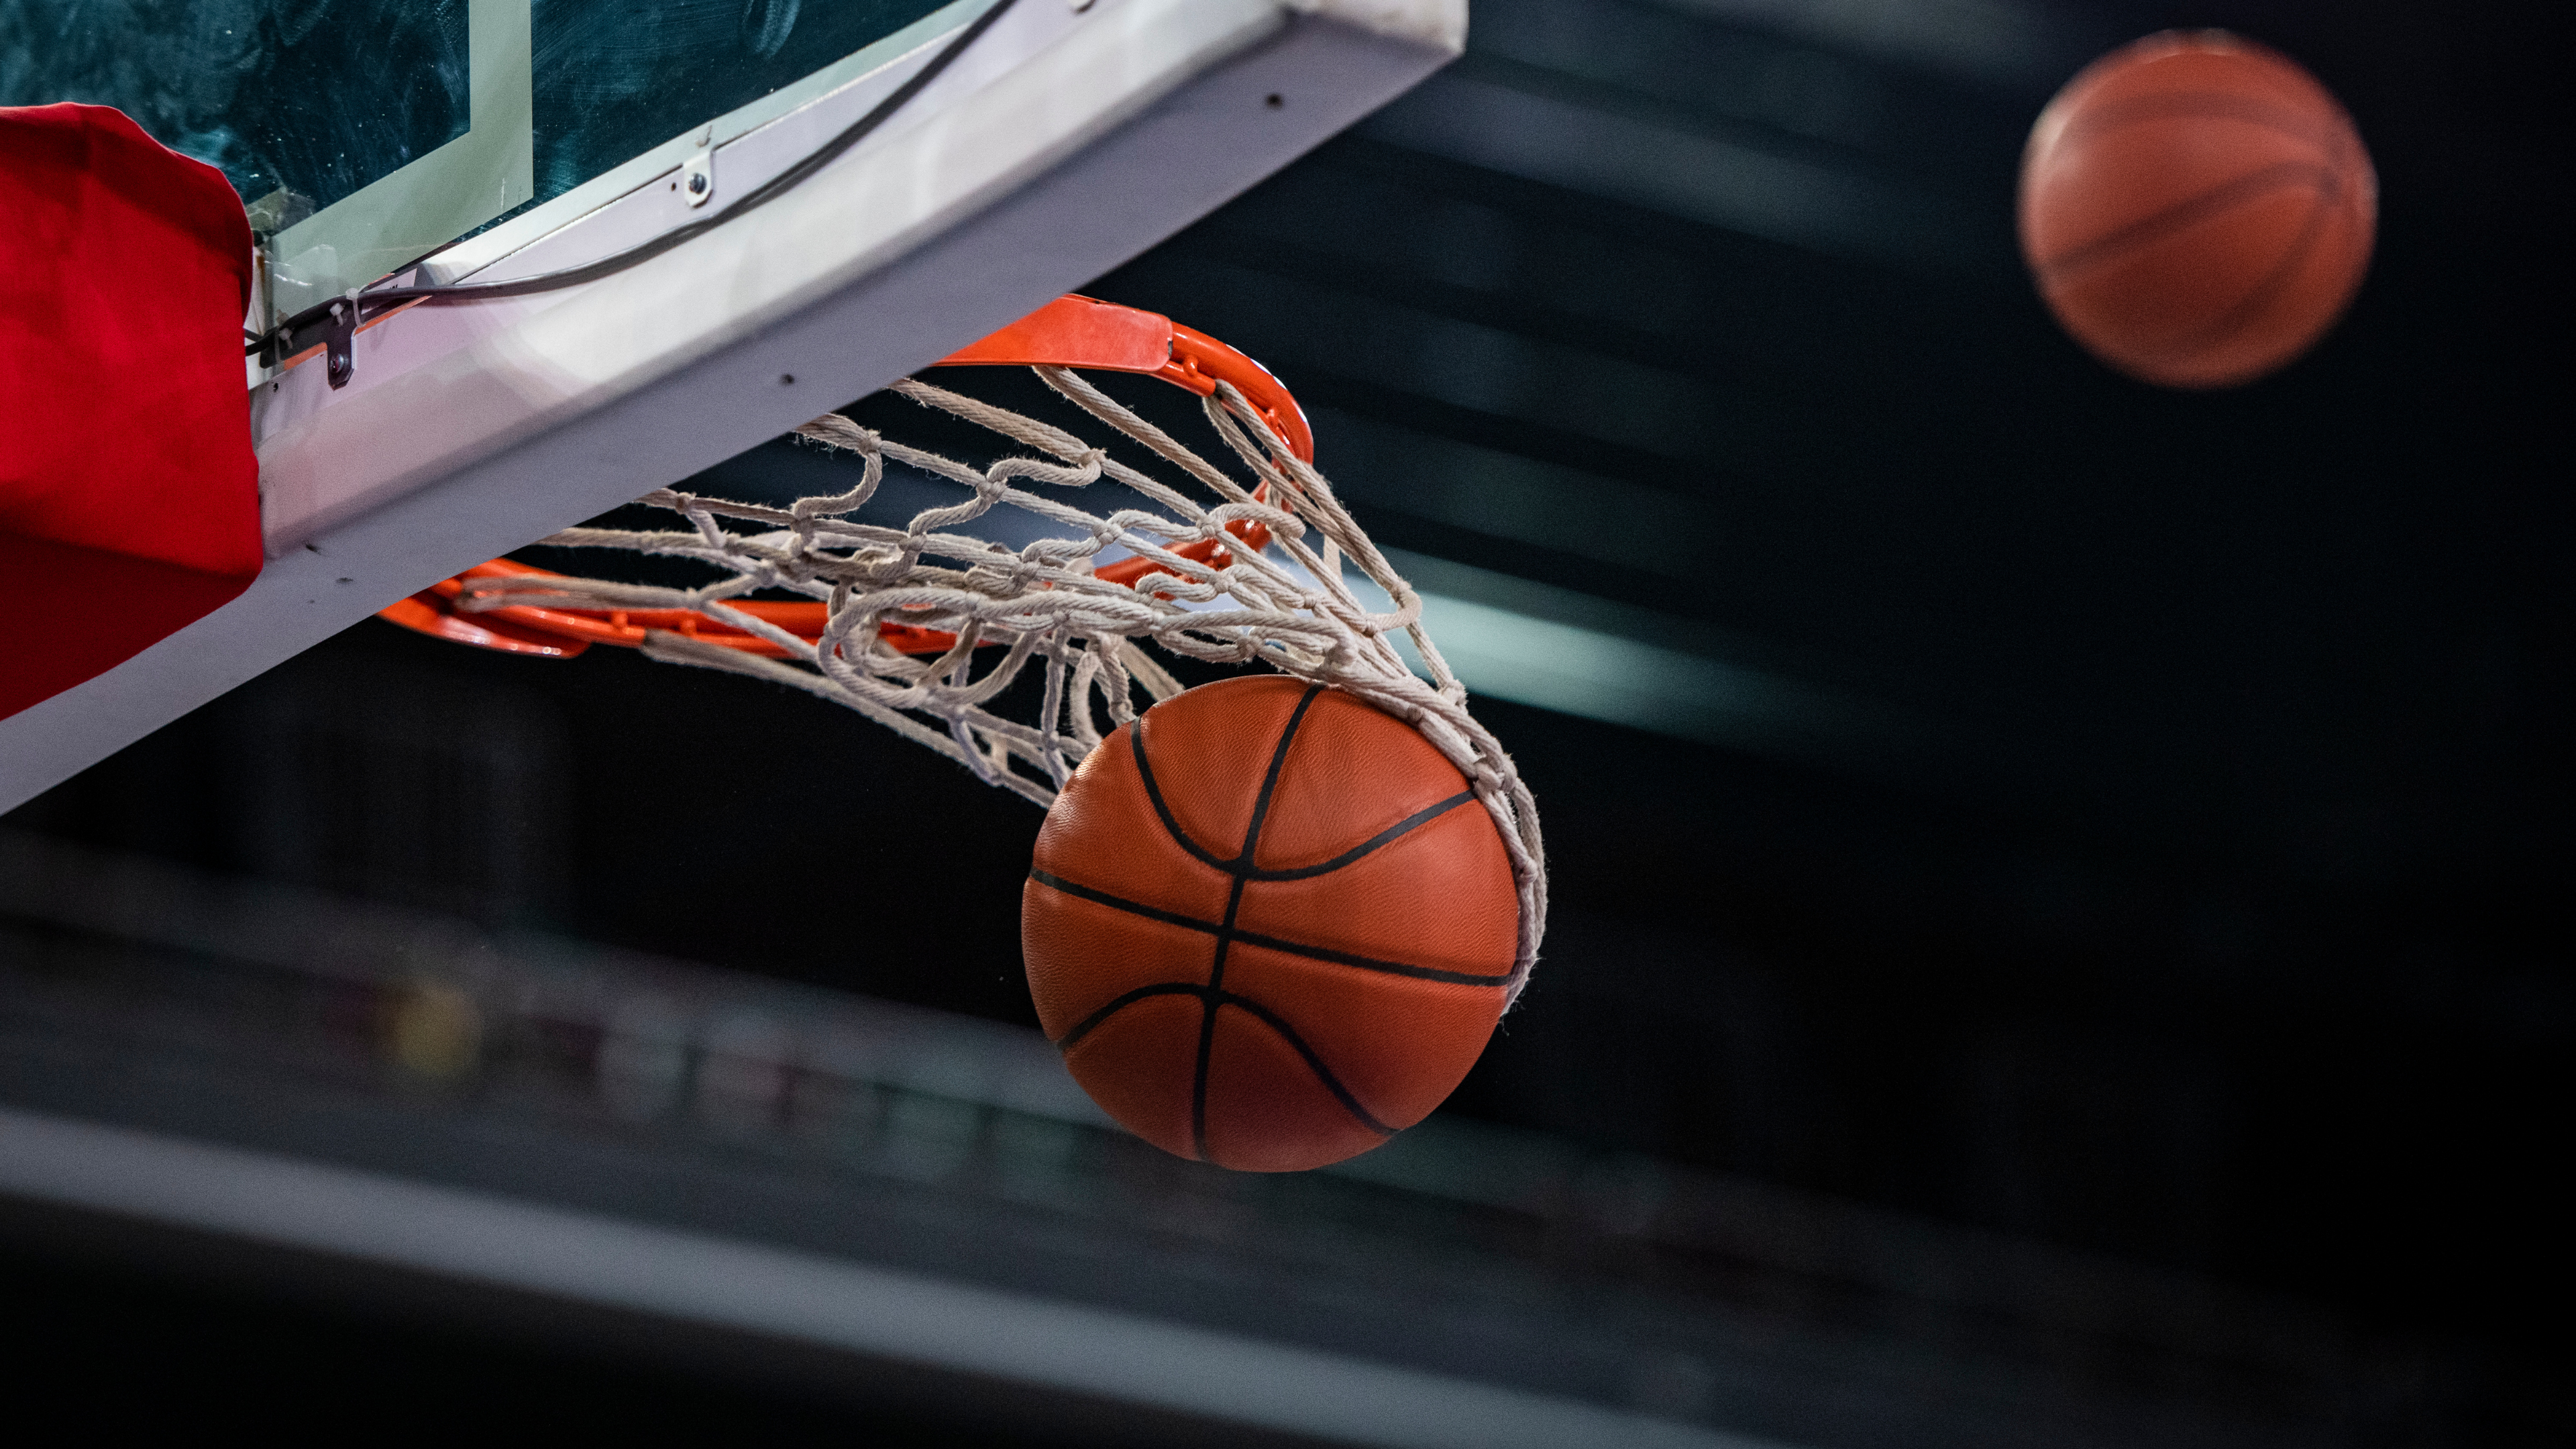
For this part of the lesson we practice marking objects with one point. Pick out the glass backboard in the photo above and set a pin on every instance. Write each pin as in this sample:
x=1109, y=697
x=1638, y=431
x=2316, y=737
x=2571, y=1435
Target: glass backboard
x=364, y=134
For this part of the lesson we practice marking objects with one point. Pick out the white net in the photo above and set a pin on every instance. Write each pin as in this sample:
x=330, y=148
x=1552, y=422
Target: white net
x=1290, y=606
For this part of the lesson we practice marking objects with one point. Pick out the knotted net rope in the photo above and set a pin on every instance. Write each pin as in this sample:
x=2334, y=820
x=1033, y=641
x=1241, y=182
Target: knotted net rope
x=1289, y=606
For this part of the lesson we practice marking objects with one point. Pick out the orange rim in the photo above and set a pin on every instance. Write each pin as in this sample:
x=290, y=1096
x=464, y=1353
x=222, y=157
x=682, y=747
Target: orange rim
x=1075, y=332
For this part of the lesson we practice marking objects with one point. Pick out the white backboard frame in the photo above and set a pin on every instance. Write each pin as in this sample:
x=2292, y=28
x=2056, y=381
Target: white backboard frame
x=1066, y=142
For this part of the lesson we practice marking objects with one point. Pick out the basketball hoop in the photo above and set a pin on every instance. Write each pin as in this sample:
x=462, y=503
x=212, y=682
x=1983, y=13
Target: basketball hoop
x=925, y=630
x=1070, y=332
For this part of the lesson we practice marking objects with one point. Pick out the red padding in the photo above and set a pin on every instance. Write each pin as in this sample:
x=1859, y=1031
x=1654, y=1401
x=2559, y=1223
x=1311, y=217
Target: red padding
x=129, y=496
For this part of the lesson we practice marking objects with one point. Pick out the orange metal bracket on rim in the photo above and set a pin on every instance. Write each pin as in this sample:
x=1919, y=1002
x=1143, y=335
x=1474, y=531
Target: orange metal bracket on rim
x=1075, y=332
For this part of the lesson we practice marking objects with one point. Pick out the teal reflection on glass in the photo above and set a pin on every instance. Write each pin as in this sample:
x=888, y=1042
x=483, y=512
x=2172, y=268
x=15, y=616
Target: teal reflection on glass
x=614, y=78
x=319, y=97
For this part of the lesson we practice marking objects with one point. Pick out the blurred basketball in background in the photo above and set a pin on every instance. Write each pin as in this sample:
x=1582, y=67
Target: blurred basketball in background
x=2196, y=208
x=1269, y=925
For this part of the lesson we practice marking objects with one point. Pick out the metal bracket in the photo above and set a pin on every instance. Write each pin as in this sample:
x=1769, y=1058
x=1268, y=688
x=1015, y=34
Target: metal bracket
x=335, y=331
x=698, y=178
x=339, y=336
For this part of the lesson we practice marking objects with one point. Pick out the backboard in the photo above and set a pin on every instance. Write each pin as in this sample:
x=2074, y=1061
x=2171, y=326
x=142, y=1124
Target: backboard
x=437, y=141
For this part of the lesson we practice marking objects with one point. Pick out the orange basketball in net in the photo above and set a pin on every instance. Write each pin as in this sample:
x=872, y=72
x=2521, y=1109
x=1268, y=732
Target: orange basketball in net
x=1269, y=925
x=2197, y=209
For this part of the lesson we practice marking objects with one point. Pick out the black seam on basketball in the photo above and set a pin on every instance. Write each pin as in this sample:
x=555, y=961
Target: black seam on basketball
x=2184, y=214
x=1389, y=835
x=1154, y=794
x=1207, y=1018
x=1314, y=1061
x=1135, y=908
x=1234, y=903
x=1270, y=943
x=1213, y=995
x=1242, y=865
x=1163, y=988
x=2251, y=305
x=1369, y=963
x=1260, y=803
x=2195, y=106
x=1270, y=785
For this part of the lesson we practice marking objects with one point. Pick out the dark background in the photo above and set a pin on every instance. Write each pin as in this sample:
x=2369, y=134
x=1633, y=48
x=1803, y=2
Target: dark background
x=2202, y=901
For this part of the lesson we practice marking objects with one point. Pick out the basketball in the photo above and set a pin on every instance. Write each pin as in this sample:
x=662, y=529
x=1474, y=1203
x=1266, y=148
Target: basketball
x=1268, y=925
x=2196, y=208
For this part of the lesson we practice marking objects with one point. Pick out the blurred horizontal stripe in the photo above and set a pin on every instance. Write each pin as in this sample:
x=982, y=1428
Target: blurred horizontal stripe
x=1536, y=644
x=1685, y=173
x=732, y=1284
x=1382, y=466
x=1997, y=41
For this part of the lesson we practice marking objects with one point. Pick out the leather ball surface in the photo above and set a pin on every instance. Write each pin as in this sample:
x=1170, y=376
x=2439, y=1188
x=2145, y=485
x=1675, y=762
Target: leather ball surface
x=1269, y=925
x=2197, y=209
